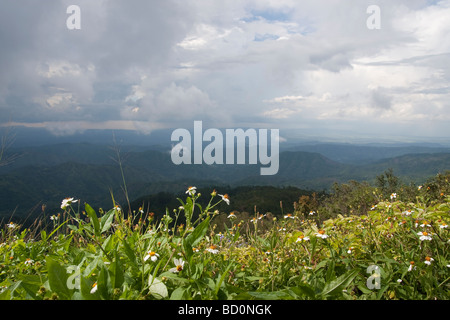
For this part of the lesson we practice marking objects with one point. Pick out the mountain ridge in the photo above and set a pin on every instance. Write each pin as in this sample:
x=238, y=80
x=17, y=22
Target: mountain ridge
x=148, y=171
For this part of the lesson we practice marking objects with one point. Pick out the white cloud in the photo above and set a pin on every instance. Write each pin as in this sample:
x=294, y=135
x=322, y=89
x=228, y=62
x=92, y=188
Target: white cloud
x=297, y=64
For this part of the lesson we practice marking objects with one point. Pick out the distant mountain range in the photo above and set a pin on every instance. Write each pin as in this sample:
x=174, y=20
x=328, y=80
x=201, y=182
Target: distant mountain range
x=48, y=174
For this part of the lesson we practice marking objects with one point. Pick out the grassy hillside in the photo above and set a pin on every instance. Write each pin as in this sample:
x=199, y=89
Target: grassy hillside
x=398, y=249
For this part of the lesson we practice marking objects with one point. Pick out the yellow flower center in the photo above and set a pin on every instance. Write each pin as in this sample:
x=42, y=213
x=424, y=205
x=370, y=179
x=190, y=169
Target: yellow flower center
x=425, y=233
x=322, y=231
x=179, y=267
x=428, y=258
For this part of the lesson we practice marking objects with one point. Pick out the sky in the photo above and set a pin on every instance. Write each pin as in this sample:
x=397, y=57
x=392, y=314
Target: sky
x=314, y=68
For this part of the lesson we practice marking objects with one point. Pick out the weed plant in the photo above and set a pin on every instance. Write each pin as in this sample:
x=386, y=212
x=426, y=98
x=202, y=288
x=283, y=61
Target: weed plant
x=397, y=250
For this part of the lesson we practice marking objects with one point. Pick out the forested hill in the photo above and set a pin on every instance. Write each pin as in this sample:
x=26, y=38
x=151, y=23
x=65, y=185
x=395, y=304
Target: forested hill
x=46, y=175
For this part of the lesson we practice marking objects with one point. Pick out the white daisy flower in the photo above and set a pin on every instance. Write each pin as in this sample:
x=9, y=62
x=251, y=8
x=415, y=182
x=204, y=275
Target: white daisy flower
x=408, y=212
x=94, y=288
x=191, y=190
x=67, y=202
x=321, y=234
x=11, y=225
x=212, y=249
x=424, y=236
x=29, y=261
x=152, y=256
x=225, y=198
x=179, y=265
x=302, y=238
x=425, y=224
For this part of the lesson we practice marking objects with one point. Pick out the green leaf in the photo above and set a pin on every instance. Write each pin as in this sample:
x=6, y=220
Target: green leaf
x=31, y=284
x=192, y=239
x=254, y=278
x=117, y=275
x=86, y=287
x=157, y=288
x=5, y=294
x=8, y=294
x=106, y=221
x=174, y=276
x=274, y=295
x=57, y=278
x=129, y=253
x=104, y=283
x=220, y=280
x=303, y=290
x=93, y=217
x=340, y=283
x=178, y=294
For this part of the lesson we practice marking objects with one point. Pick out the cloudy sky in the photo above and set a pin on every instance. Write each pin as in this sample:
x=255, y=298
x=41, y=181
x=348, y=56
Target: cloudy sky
x=313, y=66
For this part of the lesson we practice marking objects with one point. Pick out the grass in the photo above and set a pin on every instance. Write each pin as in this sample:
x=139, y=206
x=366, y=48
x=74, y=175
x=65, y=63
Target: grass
x=398, y=250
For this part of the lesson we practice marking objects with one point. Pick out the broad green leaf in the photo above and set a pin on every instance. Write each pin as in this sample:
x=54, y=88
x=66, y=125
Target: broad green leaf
x=93, y=217
x=195, y=237
x=340, y=283
x=104, y=283
x=57, y=278
x=303, y=290
x=198, y=232
x=31, y=284
x=5, y=294
x=116, y=270
x=178, y=294
x=157, y=288
x=8, y=294
x=106, y=221
x=86, y=287
x=174, y=276
x=129, y=253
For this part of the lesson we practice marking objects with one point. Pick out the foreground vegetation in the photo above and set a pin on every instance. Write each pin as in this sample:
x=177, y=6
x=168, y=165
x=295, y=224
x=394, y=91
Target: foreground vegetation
x=397, y=248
